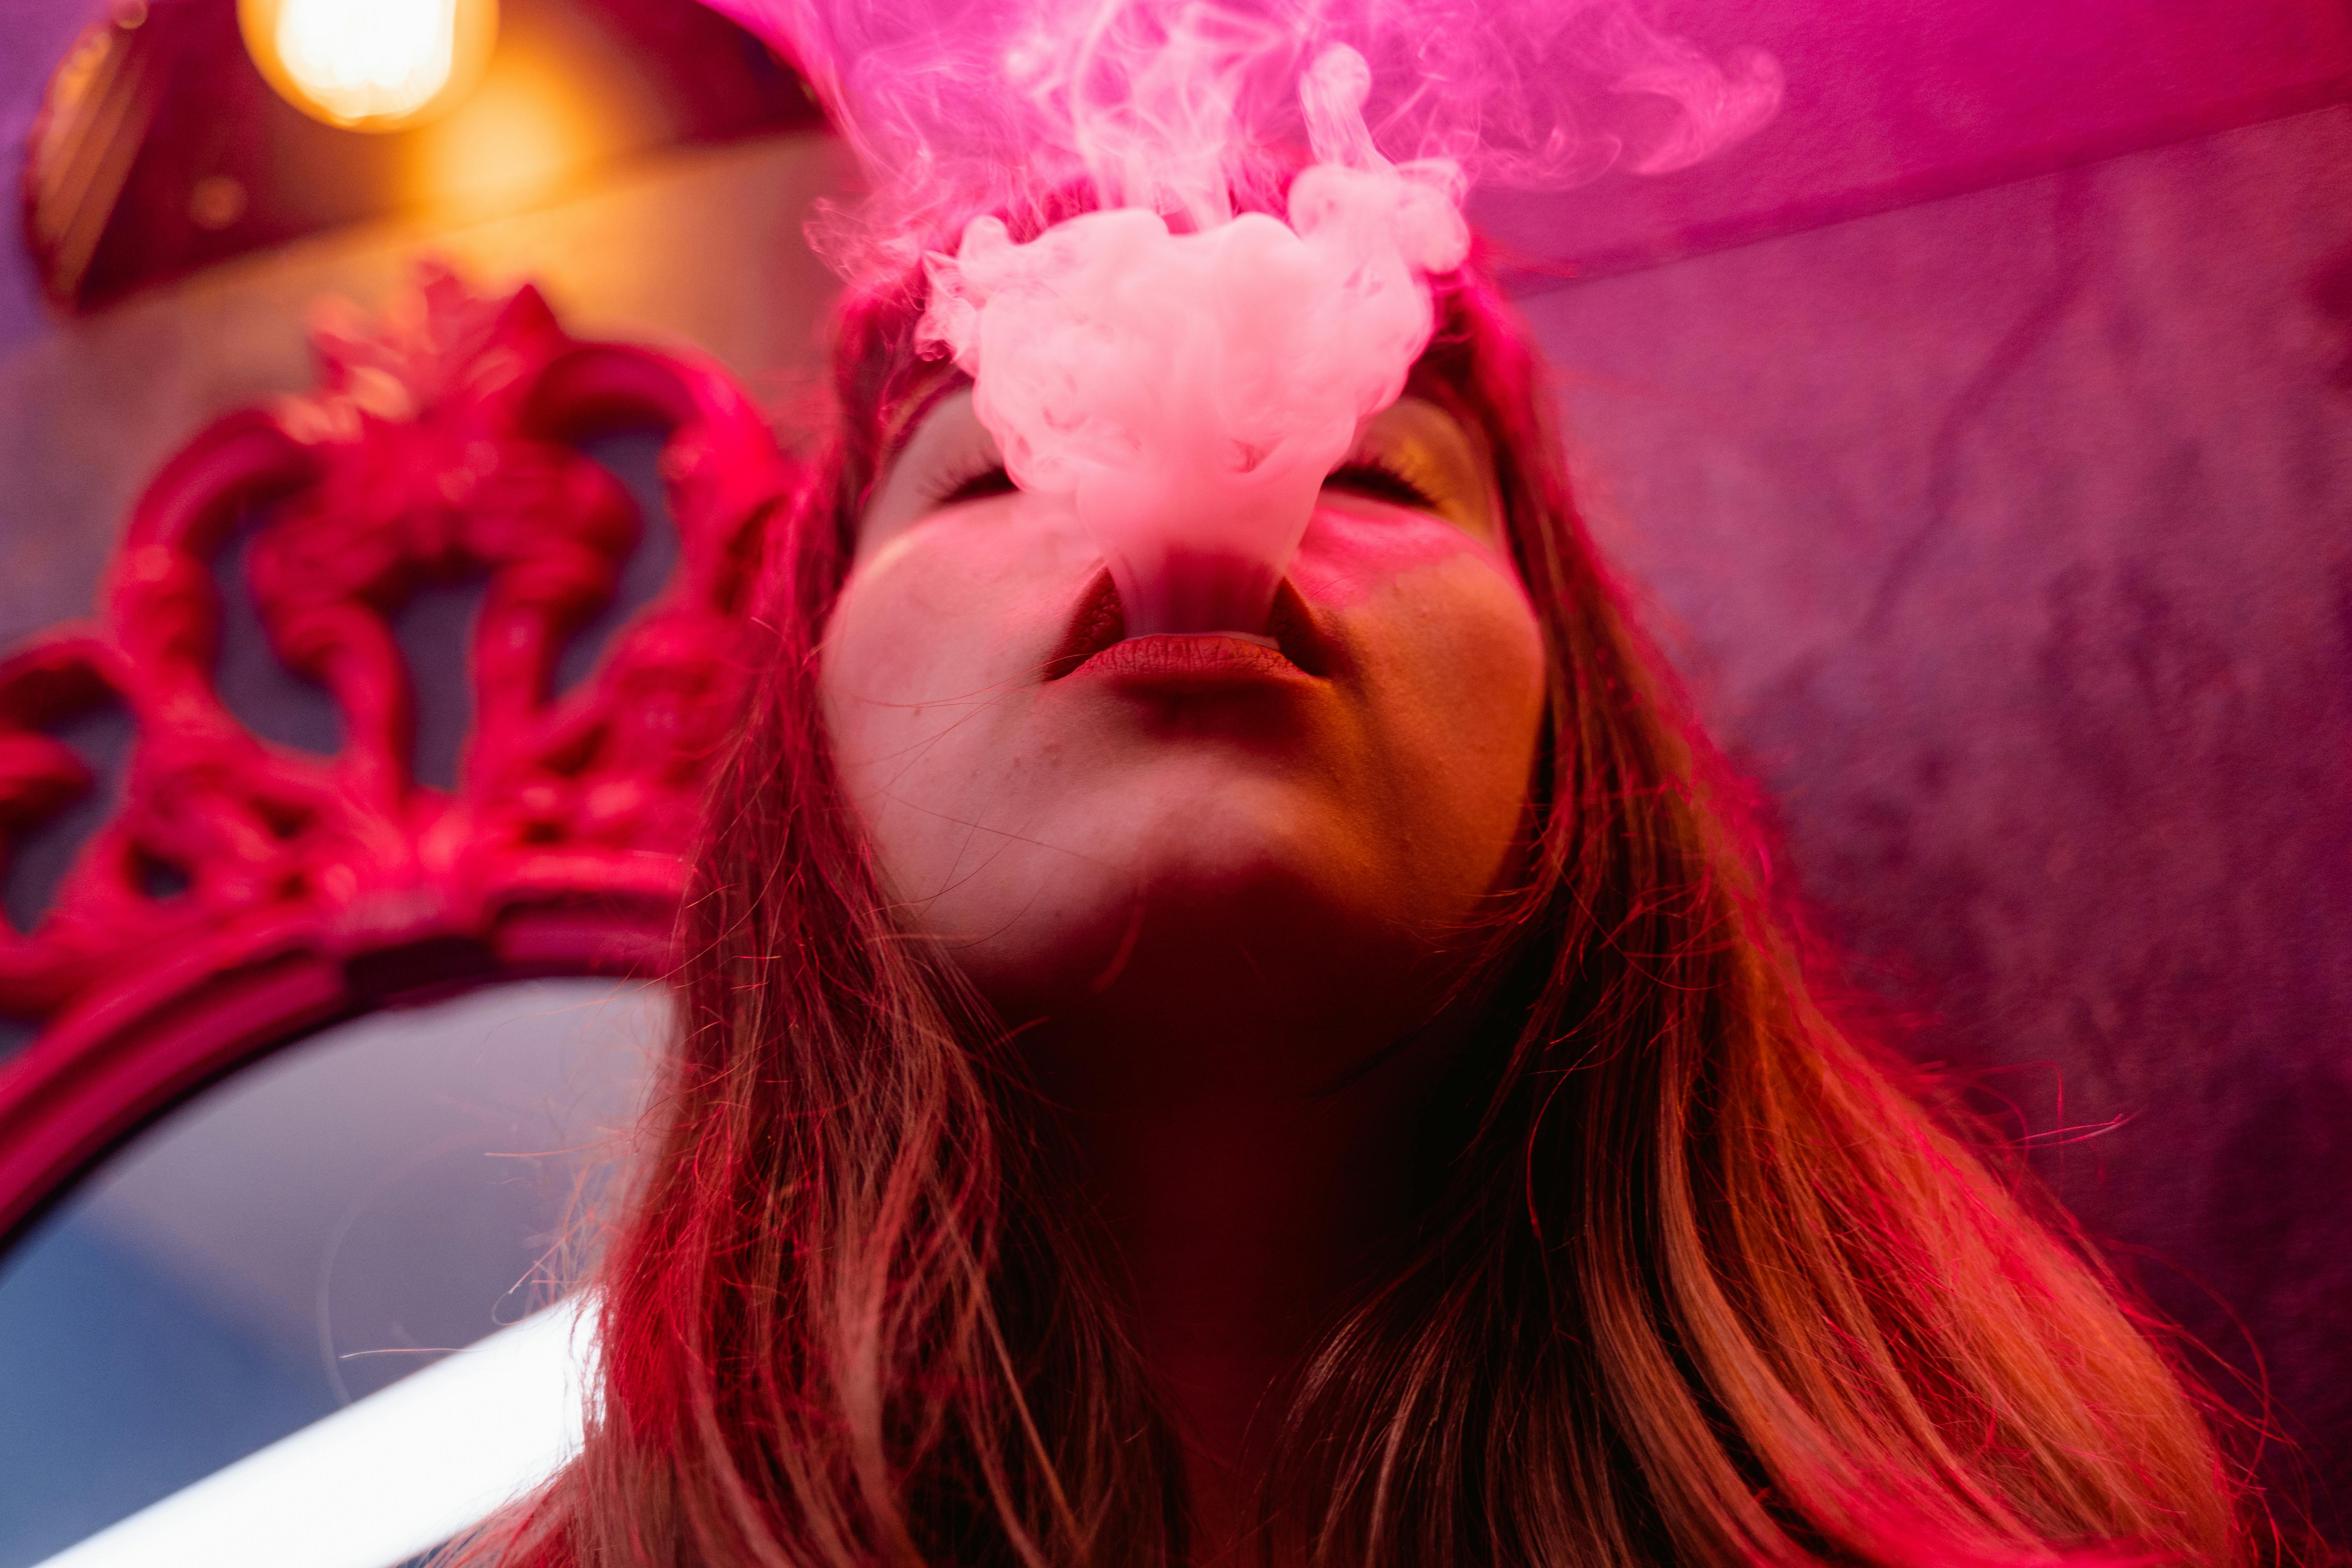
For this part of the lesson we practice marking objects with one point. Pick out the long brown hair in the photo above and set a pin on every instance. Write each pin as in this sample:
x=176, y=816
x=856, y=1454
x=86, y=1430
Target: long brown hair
x=1700, y=1277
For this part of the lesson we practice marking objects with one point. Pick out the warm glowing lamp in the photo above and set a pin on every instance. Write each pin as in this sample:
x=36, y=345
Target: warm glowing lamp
x=370, y=65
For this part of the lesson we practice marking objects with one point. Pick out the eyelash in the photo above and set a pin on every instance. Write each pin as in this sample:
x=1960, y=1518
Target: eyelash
x=1375, y=479
x=954, y=488
x=1371, y=476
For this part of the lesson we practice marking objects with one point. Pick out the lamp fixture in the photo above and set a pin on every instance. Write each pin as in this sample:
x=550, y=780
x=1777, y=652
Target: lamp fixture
x=370, y=65
x=175, y=136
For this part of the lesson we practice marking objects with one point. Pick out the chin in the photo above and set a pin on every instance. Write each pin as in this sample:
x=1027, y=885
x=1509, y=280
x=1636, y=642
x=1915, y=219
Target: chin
x=1228, y=911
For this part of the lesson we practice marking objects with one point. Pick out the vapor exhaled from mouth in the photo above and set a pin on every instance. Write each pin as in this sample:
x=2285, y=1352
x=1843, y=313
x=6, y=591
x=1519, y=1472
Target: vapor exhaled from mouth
x=1180, y=362
x=1190, y=391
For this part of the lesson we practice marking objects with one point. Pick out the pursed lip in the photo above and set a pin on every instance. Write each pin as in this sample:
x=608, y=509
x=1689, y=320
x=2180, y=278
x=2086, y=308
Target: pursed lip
x=1189, y=663
x=1096, y=641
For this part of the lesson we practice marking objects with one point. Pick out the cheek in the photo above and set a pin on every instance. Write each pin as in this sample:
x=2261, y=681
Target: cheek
x=930, y=663
x=1351, y=558
x=952, y=615
x=1440, y=628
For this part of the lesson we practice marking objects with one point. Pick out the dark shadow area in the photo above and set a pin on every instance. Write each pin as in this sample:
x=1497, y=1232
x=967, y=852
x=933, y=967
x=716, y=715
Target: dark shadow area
x=39, y=859
x=435, y=632
x=160, y=878
x=15, y=1034
x=273, y=701
x=633, y=459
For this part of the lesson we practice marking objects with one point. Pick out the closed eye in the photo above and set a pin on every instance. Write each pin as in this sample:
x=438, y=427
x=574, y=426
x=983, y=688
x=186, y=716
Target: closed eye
x=1367, y=478
x=988, y=481
x=1377, y=481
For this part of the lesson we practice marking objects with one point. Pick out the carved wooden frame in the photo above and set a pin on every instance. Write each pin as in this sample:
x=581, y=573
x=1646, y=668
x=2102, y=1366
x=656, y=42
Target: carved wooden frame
x=301, y=888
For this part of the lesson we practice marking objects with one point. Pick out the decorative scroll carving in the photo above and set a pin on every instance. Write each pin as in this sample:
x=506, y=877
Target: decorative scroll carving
x=242, y=889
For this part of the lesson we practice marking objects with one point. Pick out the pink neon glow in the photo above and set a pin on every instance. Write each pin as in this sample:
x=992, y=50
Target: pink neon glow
x=1187, y=385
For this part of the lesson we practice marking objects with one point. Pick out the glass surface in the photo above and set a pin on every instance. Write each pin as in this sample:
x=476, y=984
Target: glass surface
x=318, y=1226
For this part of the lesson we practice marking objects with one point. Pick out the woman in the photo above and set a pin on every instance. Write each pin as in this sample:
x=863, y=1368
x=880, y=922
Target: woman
x=1352, y=1102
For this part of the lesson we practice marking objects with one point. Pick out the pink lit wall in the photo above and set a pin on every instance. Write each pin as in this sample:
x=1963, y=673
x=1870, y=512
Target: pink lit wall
x=2008, y=539
x=1891, y=102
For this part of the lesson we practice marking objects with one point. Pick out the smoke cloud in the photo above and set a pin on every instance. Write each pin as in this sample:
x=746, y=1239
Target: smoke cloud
x=1181, y=363
x=963, y=106
x=1190, y=391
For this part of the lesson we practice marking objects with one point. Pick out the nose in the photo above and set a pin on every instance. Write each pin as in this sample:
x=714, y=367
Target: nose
x=1201, y=546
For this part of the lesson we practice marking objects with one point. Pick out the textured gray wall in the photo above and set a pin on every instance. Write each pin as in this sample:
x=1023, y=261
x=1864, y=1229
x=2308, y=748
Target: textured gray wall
x=2008, y=540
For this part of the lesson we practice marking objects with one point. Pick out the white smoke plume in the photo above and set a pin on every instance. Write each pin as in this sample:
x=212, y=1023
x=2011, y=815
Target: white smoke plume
x=1185, y=373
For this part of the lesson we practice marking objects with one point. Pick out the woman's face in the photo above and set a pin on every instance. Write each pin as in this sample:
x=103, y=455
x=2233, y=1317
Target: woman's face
x=1187, y=825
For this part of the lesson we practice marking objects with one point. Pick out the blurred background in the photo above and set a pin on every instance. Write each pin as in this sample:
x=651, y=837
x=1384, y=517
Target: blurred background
x=1980, y=435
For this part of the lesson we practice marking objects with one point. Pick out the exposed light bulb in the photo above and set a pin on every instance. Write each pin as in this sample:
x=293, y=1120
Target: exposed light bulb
x=368, y=59
x=368, y=65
